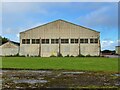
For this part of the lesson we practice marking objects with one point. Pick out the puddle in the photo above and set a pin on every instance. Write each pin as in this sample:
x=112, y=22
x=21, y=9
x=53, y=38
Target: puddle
x=117, y=75
x=30, y=81
x=4, y=71
x=73, y=72
x=41, y=71
x=117, y=84
x=26, y=71
x=60, y=78
x=0, y=81
x=0, y=71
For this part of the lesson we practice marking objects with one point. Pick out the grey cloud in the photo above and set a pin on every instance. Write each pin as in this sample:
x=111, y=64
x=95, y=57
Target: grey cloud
x=109, y=44
x=22, y=7
x=105, y=16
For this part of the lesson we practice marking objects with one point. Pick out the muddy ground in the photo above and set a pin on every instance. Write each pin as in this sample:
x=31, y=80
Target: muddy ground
x=22, y=79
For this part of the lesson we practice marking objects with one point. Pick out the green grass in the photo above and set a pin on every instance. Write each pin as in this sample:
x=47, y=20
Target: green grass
x=67, y=63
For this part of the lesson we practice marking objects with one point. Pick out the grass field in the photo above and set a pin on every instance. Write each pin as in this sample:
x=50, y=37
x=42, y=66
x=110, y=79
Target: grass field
x=66, y=63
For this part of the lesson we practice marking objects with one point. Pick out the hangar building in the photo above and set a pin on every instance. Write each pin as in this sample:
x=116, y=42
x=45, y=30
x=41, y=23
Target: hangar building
x=9, y=48
x=117, y=50
x=59, y=37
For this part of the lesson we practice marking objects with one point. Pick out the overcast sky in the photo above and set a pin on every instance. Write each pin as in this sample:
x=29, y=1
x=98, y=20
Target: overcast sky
x=100, y=16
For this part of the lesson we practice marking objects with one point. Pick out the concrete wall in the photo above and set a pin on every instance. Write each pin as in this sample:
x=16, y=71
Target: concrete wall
x=9, y=49
x=59, y=29
x=117, y=50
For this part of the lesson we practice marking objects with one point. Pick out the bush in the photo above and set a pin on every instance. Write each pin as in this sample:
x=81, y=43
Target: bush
x=22, y=56
x=80, y=55
x=17, y=54
x=27, y=55
x=97, y=56
x=88, y=55
x=67, y=55
x=52, y=56
x=59, y=55
x=35, y=56
x=8, y=55
x=71, y=56
x=91, y=56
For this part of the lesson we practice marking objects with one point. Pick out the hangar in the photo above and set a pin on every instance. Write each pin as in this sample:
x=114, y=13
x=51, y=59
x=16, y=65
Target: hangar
x=9, y=48
x=59, y=37
x=117, y=50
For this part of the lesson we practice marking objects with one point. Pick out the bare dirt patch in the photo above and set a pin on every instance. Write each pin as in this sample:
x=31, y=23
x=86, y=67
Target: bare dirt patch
x=58, y=79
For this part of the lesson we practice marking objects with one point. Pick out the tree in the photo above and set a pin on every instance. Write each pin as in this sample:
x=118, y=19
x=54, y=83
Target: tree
x=3, y=40
x=108, y=51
